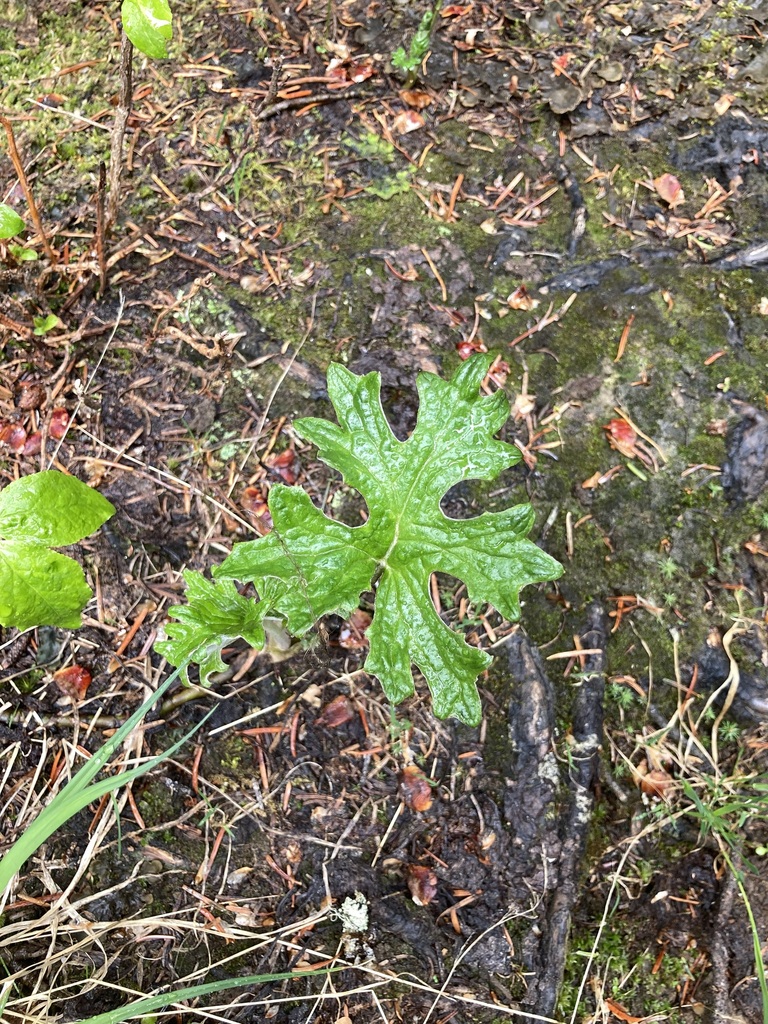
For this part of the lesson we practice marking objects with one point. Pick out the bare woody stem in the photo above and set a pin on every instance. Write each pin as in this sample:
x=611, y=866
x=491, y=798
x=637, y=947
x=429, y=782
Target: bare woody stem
x=19, y=168
x=101, y=254
x=118, y=128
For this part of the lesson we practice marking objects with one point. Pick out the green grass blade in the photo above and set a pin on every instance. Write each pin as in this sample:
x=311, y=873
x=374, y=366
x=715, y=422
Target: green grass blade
x=79, y=792
x=141, y=1007
x=757, y=947
x=93, y=766
x=756, y=943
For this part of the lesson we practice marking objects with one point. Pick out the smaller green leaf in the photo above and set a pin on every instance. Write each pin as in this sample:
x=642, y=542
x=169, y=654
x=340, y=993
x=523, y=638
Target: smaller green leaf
x=10, y=222
x=148, y=24
x=214, y=615
x=39, y=587
x=401, y=60
x=51, y=509
x=22, y=254
x=43, y=324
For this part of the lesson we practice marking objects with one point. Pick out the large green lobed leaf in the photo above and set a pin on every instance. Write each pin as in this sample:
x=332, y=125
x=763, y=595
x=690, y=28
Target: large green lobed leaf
x=39, y=587
x=311, y=565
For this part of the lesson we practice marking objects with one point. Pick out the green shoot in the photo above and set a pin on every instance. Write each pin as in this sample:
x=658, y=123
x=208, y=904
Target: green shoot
x=419, y=44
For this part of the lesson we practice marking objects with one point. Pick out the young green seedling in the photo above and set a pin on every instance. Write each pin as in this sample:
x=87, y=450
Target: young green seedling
x=147, y=25
x=310, y=565
x=419, y=47
x=11, y=225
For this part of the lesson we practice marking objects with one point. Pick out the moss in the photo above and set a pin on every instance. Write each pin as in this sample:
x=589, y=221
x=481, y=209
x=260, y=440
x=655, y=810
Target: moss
x=629, y=972
x=228, y=761
x=29, y=681
x=156, y=803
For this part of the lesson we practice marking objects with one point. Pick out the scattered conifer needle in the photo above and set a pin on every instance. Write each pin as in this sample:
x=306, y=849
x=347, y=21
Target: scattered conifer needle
x=436, y=272
x=624, y=338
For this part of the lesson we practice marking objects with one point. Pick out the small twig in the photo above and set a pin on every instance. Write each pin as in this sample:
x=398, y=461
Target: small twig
x=101, y=227
x=305, y=101
x=13, y=325
x=118, y=129
x=624, y=337
x=544, y=321
x=19, y=168
x=274, y=85
x=436, y=273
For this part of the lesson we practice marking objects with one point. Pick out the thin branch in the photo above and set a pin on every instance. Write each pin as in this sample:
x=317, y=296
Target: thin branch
x=101, y=227
x=19, y=168
x=118, y=129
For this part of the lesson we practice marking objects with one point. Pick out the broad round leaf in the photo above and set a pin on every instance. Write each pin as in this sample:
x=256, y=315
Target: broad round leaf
x=10, y=222
x=39, y=587
x=148, y=24
x=51, y=509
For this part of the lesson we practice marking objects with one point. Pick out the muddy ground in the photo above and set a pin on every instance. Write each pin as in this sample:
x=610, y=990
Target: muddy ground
x=578, y=188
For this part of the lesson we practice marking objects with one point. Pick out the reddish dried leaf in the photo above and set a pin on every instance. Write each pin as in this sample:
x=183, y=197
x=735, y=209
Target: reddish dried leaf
x=621, y=436
x=499, y=372
x=416, y=98
x=30, y=394
x=286, y=465
x=422, y=882
x=13, y=435
x=520, y=299
x=73, y=681
x=592, y=481
x=52, y=100
x=352, y=633
x=455, y=10
x=561, y=62
x=336, y=71
x=656, y=782
x=359, y=72
x=415, y=788
x=407, y=121
x=468, y=348
x=252, y=500
x=339, y=711
x=33, y=444
x=57, y=428
x=618, y=1011
x=669, y=189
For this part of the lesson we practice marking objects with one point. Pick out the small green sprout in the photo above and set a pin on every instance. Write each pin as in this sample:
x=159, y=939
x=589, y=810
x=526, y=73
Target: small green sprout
x=621, y=695
x=44, y=324
x=419, y=44
x=22, y=253
x=730, y=731
x=668, y=568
